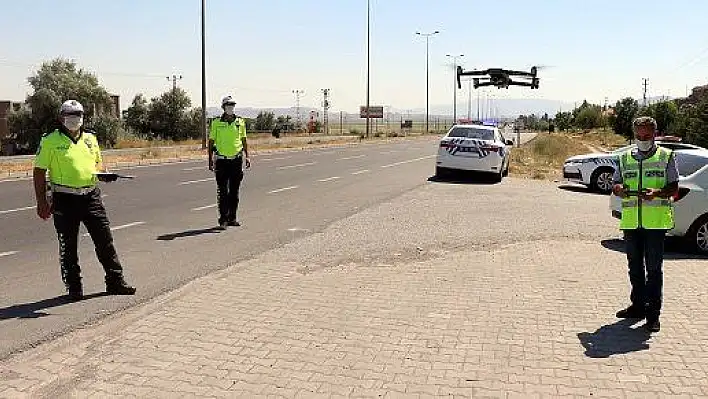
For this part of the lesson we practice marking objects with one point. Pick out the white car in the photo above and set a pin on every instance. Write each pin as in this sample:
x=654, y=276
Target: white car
x=477, y=148
x=691, y=204
x=595, y=170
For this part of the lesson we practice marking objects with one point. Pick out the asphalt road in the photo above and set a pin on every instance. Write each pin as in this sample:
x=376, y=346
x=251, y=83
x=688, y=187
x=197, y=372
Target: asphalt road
x=164, y=222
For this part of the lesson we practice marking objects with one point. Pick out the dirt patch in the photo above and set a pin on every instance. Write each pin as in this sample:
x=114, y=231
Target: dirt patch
x=542, y=158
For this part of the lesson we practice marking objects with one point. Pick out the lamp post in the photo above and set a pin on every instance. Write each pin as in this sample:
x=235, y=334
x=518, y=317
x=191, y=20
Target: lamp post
x=204, y=129
x=454, y=86
x=427, y=75
x=368, y=61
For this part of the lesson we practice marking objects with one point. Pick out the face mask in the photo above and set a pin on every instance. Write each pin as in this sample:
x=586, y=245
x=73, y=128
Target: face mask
x=644, y=146
x=73, y=123
x=229, y=109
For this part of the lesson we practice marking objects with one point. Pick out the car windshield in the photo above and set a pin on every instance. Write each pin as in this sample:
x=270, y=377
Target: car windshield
x=689, y=163
x=472, y=133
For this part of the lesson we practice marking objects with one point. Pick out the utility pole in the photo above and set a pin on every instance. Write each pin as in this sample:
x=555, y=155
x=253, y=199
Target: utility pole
x=174, y=79
x=298, y=93
x=427, y=76
x=204, y=122
x=341, y=123
x=368, y=62
x=325, y=106
x=454, y=86
x=469, y=99
x=645, y=83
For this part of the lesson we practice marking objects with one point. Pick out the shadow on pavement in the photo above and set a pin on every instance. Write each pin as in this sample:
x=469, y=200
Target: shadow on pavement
x=464, y=178
x=189, y=233
x=581, y=190
x=615, y=339
x=674, y=248
x=33, y=310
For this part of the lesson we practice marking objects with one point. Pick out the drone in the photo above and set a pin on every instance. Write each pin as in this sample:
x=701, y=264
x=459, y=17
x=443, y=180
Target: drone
x=499, y=77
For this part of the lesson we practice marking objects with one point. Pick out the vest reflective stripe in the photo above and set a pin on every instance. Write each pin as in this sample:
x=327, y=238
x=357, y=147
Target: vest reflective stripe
x=630, y=203
x=637, y=176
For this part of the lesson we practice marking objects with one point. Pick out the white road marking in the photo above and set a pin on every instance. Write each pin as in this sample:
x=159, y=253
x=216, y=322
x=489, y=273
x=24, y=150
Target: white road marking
x=386, y=152
x=360, y=171
x=280, y=190
x=408, y=161
x=353, y=157
x=121, y=227
x=196, y=181
x=193, y=168
x=201, y=208
x=17, y=210
x=9, y=253
x=330, y=179
x=297, y=166
x=275, y=159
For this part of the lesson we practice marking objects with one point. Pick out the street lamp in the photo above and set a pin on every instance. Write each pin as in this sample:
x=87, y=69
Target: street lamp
x=454, y=86
x=427, y=75
x=204, y=129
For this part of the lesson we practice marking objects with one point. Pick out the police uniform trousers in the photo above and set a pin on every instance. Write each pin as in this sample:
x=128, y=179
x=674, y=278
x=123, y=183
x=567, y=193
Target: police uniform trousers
x=69, y=211
x=229, y=174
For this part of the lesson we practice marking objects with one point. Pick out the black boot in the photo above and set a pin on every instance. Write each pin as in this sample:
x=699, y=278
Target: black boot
x=119, y=287
x=632, y=312
x=75, y=292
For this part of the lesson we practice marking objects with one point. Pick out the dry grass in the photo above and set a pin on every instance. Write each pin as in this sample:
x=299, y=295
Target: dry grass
x=543, y=157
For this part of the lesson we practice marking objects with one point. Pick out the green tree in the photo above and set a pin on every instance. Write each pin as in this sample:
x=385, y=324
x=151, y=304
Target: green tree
x=55, y=82
x=190, y=124
x=665, y=114
x=694, y=123
x=107, y=129
x=624, y=113
x=564, y=120
x=137, y=116
x=264, y=121
x=165, y=113
x=589, y=118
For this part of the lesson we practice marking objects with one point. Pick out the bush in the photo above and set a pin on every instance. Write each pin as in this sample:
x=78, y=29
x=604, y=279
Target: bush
x=108, y=129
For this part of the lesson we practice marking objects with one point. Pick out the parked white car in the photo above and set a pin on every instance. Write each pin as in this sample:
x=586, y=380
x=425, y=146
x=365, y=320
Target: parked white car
x=476, y=148
x=595, y=170
x=691, y=204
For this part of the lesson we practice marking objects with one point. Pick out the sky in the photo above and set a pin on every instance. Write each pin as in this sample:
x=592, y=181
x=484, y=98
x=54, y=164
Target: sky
x=260, y=51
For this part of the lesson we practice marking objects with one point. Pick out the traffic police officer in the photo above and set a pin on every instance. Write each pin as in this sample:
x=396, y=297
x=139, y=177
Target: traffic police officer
x=646, y=180
x=72, y=157
x=228, y=155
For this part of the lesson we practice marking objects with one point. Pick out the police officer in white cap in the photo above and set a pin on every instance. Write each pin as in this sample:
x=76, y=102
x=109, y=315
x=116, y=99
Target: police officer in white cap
x=71, y=156
x=228, y=156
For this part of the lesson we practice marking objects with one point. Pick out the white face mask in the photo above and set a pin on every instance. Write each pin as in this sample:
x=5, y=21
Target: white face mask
x=73, y=123
x=229, y=109
x=644, y=146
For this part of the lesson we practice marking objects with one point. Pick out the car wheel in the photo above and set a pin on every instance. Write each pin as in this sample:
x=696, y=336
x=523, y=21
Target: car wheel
x=441, y=173
x=506, y=170
x=697, y=236
x=601, y=180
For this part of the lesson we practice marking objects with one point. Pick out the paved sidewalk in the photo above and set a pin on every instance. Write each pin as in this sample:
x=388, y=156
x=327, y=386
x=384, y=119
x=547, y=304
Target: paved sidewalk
x=419, y=297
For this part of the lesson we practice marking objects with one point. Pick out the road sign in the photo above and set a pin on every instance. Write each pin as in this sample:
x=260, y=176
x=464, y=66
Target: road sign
x=374, y=111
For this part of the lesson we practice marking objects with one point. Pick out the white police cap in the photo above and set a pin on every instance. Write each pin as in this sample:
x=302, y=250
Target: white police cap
x=71, y=106
x=228, y=100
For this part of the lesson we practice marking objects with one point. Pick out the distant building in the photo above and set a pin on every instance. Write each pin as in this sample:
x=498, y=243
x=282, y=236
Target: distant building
x=5, y=108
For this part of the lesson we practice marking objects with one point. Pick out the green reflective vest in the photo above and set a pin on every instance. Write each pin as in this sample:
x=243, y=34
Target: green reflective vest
x=70, y=163
x=637, y=176
x=228, y=136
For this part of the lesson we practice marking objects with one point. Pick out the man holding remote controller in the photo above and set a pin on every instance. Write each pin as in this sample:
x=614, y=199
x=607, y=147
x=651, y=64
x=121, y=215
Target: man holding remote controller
x=646, y=179
x=73, y=159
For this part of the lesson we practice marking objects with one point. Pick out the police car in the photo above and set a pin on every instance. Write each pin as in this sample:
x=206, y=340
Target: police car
x=474, y=147
x=691, y=203
x=595, y=170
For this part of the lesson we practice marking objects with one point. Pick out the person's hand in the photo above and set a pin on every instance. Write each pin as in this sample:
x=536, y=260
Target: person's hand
x=44, y=209
x=650, y=193
x=619, y=190
x=211, y=165
x=247, y=162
